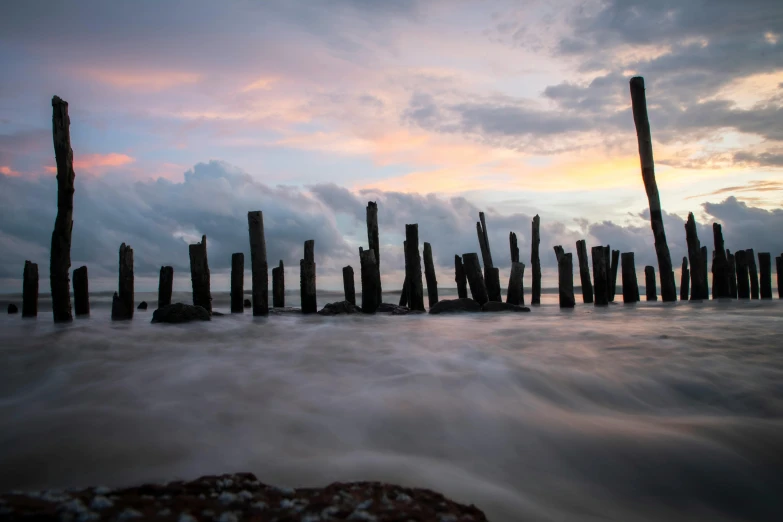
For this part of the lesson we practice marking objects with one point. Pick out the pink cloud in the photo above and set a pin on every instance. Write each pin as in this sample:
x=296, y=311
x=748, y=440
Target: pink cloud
x=8, y=171
x=96, y=164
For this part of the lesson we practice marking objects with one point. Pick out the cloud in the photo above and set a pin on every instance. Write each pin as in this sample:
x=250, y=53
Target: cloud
x=7, y=171
x=139, y=80
x=96, y=163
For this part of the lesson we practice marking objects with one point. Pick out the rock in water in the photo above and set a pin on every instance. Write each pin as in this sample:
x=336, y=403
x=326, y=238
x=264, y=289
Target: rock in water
x=247, y=303
x=341, y=307
x=393, y=309
x=142, y=306
x=456, y=305
x=12, y=309
x=180, y=313
x=494, y=306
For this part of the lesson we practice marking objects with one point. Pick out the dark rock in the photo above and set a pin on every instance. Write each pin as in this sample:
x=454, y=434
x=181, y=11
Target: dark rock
x=217, y=314
x=180, y=313
x=393, y=309
x=142, y=306
x=12, y=308
x=247, y=303
x=341, y=307
x=494, y=306
x=456, y=305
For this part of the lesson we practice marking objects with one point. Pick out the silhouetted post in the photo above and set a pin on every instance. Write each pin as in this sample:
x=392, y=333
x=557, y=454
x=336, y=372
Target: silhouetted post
x=81, y=292
x=478, y=289
x=512, y=241
x=765, y=275
x=199, y=274
x=601, y=275
x=122, y=301
x=721, y=286
x=491, y=277
x=630, y=285
x=460, y=278
x=750, y=260
x=413, y=268
x=278, y=286
x=165, y=286
x=404, y=293
x=743, y=284
x=349, y=285
x=732, y=274
x=613, y=274
x=584, y=272
x=374, y=242
x=237, y=283
x=779, y=270
x=694, y=257
x=259, y=270
x=60, y=258
x=307, y=278
x=685, y=280
x=30, y=289
x=565, y=273
x=369, y=268
x=535, y=261
x=429, y=274
x=515, y=294
x=705, y=273
x=649, y=283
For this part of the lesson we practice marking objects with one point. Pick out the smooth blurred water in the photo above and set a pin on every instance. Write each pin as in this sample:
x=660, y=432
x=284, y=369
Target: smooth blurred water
x=643, y=412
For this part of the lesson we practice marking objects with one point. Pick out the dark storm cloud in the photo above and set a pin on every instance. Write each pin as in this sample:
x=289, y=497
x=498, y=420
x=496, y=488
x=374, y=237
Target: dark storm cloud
x=763, y=159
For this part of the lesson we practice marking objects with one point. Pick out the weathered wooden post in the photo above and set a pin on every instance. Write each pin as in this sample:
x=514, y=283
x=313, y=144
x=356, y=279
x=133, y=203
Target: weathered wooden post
x=515, y=294
x=685, y=280
x=649, y=283
x=535, y=261
x=404, y=293
x=122, y=301
x=259, y=269
x=413, y=268
x=429, y=274
x=613, y=274
x=199, y=274
x=694, y=257
x=584, y=272
x=750, y=260
x=237, y=282
x=307, y=278
x=478, y=289
x=460, y=278
x=60, y=258
x=349, y=285
x=30, y=289
x=491, y=276
x=630, y=285
x=779, y=270
x=765, y=275
x=607, y=263
x=512, y=242
x=165, y=286
x=374, y=242
x=705, y=273
x=601, y=275
x=721, y=286
x=81, y=293
x=732, y=274
x=743, y=284
x=278, y=286
x=565, y=278
x=369, y=268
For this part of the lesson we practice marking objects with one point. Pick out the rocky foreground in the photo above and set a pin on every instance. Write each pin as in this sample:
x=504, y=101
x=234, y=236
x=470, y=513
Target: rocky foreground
x=241, y=496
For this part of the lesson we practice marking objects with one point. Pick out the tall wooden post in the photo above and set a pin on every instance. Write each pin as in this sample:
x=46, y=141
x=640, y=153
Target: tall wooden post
x=584, y=272
x=705, y=273
x=81, y=292
x=630, y=285
x=491, y=278
x=122, y=301
x=404, y=293
x=613, y=274
x=478, y=289
x=199, y=274
x=732, y=274
x=460, y=278
x=649, y=283
x=60, y=259
x=721, y=286
x=374, y=242
x=750, y=259
x=429, y=274
x=644, y=139
x=512, y=241
x=565, y=272
x=515, y=294
x=694, y=257
x=413, y=268
x=535, y=262
x=30, y=289
x=237, y=283
x=259, y=269
x=369, y=268
x=165, y=286
x=765, y=274
x=348, y=284
x=743, y=284
x=685, y=280
x=779, y=271
x=278, y=286
x=601, y=275
x=607, y=262
x=307, y=278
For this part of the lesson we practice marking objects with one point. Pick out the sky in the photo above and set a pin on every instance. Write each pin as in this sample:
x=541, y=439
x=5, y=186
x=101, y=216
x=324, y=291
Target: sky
x=187, y=115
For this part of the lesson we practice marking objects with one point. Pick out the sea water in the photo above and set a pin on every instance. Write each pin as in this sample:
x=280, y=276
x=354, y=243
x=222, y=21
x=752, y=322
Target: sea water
x=642, y=412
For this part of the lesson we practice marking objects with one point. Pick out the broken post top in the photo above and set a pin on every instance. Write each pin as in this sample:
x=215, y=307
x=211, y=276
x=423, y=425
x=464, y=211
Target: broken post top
x=309, y=251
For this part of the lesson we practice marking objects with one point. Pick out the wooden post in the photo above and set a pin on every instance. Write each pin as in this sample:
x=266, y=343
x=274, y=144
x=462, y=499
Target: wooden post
x=349, y=285
x=584, y=272
x=199, y=275
x=685, y=280
x=81, y=293
x=374, y=242
x=565, y=272
x=491, y=279
x=413, y=268
x=237, y=283
x=649, y=283
x=512, y=241
x=694, y=257
x=721, y=286
x=460, y=278
x=630, y=285
x=515, y=294
x=779, y=270
x=307, y=278
x=601, y=275
x=60, y=258
x=30, y=289
x=404, y=293
x=644, y=139
x=369, y=268
x=613, y=274
x=165, y=286
x=535, y=261
x=765, y=275
x=743, y=284
x=278, y=286
x=705, y=273
x=732, y=274
x=750, y=259
x=122, y=301
x=429, y=274
x=478, y=289
x=259, y=269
